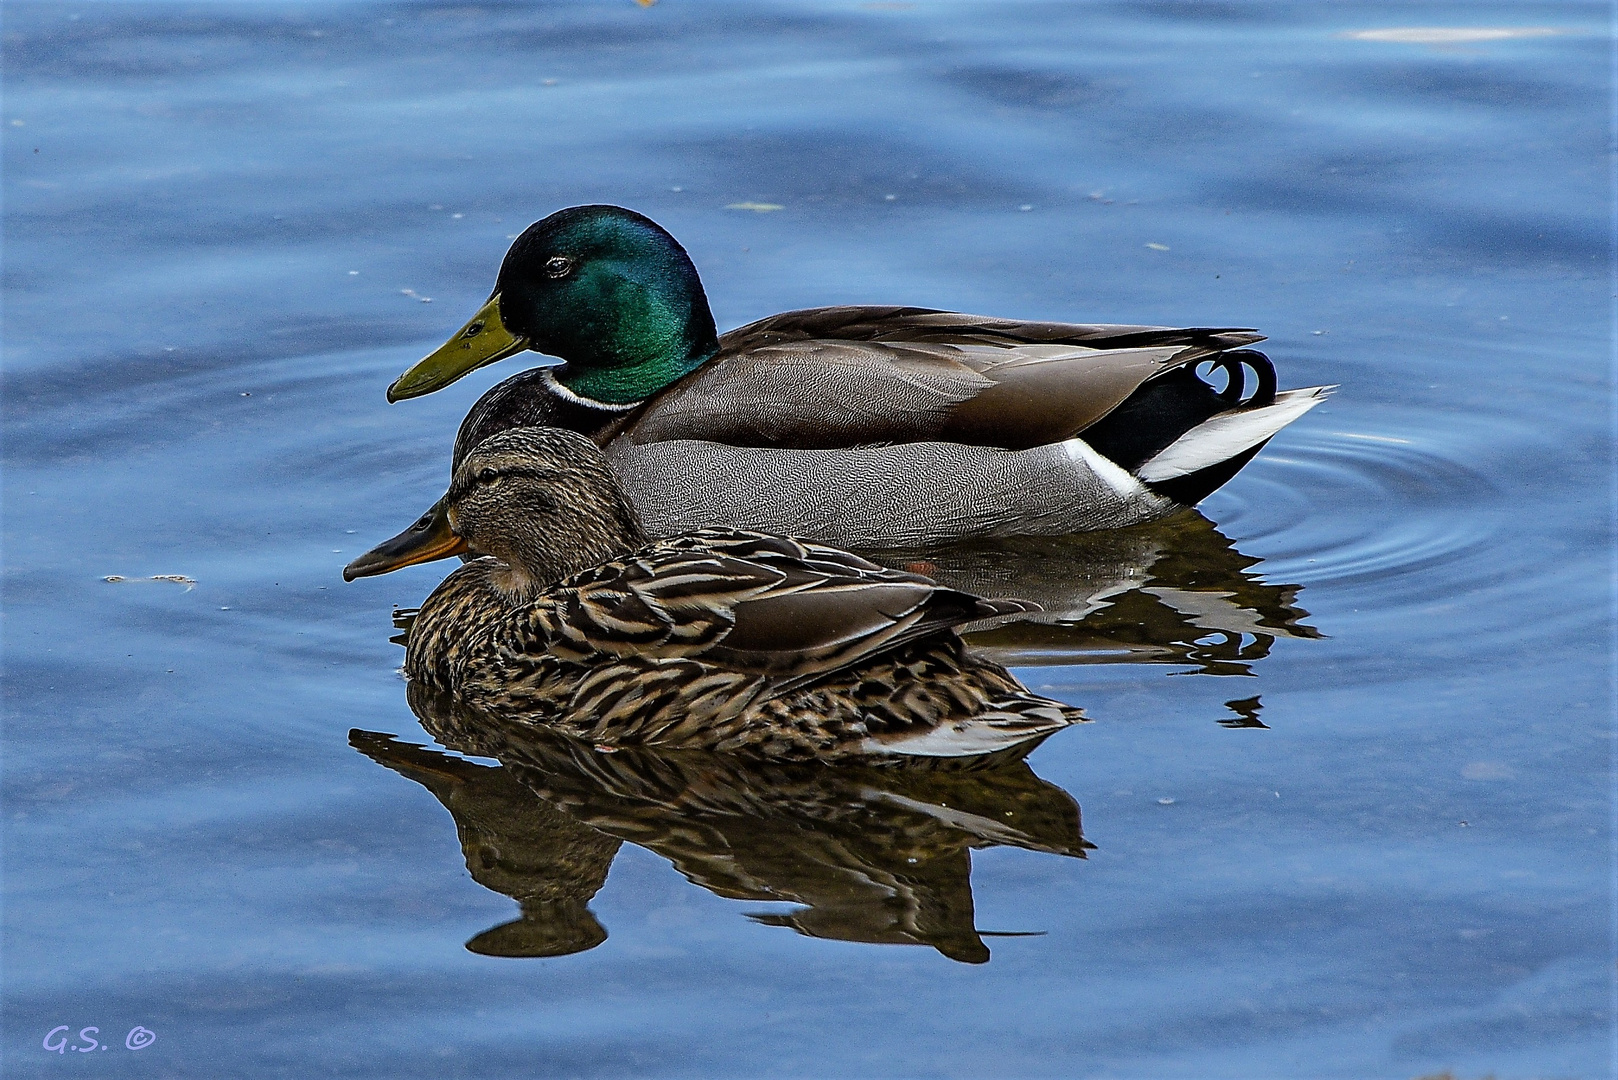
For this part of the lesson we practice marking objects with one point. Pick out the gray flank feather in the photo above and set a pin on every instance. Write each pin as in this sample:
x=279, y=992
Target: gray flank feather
x=880, y=496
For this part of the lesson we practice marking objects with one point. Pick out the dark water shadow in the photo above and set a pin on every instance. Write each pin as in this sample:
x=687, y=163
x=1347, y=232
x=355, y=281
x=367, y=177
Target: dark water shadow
x=876, y=854
x=1177, y=592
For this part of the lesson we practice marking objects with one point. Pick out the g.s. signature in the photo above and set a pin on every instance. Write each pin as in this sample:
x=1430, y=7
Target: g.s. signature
x=56, y=1039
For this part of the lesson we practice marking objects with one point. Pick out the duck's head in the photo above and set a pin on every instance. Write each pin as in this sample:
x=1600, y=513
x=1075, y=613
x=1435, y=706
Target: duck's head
x=607, y=290
x=543, y=501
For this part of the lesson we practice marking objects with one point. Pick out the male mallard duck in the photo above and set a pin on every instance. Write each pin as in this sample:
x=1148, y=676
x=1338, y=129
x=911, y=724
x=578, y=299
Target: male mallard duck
x=721, y=640
x=861, y=426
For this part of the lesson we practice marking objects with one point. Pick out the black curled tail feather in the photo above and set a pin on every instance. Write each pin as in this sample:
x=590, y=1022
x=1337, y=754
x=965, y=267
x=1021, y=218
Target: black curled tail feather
x=1233, y=363
x=1166, y=407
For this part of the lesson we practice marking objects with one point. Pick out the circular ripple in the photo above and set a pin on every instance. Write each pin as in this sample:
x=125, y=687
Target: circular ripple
x=1360, y=510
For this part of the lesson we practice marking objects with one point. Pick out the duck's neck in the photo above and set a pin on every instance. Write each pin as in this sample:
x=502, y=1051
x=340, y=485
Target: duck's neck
x=584, y=539
x=532, y=398
x=629, y=329
x=626, y=381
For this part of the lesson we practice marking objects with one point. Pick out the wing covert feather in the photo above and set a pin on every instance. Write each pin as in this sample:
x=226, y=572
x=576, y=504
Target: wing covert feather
x=746, y=602
x=831, y=378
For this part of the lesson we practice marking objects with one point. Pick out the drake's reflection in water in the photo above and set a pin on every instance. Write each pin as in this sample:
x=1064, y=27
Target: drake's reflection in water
x=1176, y=592
x=876, y=854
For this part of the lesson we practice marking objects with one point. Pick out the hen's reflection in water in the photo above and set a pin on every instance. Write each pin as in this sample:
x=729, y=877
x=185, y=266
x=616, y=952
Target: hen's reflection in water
x=1177, y=592
x=515, y=845
x=873, y=853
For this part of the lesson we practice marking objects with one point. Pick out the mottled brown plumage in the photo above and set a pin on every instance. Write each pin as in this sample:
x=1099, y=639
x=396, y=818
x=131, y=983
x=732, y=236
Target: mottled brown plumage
x=721, y=639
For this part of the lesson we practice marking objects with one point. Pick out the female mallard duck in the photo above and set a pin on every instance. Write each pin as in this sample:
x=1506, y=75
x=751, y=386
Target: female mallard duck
x=860, y=426
x=720, y=640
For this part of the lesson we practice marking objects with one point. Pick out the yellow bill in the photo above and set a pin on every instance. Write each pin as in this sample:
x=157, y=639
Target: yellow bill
x=482, y=341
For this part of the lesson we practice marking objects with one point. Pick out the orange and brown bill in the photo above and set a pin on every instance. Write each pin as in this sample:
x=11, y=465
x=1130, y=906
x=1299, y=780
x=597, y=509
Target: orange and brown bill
x=428, y=539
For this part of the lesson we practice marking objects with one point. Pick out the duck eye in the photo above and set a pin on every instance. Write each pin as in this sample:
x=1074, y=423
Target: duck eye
x=558, y=266
x=487, y=476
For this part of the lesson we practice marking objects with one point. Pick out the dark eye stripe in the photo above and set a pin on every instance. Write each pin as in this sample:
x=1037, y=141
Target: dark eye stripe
x=489, y=476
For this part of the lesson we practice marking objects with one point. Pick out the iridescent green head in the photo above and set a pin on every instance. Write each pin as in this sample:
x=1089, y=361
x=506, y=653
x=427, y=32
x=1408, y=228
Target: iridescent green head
x=605, y=289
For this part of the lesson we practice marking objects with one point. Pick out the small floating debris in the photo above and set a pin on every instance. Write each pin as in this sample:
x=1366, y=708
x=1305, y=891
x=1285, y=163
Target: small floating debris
x=1158, y=247
x=756, y=207
x=1165, y=801
x=414, y=295
x=176, y=579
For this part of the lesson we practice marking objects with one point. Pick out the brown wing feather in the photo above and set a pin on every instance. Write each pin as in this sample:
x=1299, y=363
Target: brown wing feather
x=732, y=641
x=894, y=324
x=829, y=378
x=813, y=394
x=1045, y=394
x=748, y=602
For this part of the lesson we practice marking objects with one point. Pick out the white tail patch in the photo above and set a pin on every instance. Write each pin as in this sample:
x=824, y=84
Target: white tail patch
x=1113, y=474
x=1223, y=436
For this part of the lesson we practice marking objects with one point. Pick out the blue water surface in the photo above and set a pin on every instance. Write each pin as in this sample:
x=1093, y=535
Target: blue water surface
x=229, y=225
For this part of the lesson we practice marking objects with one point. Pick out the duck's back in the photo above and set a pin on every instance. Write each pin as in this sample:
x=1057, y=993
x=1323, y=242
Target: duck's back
x=831, y=378
x=928, y=698
x=890, y=427
x=734, y=642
